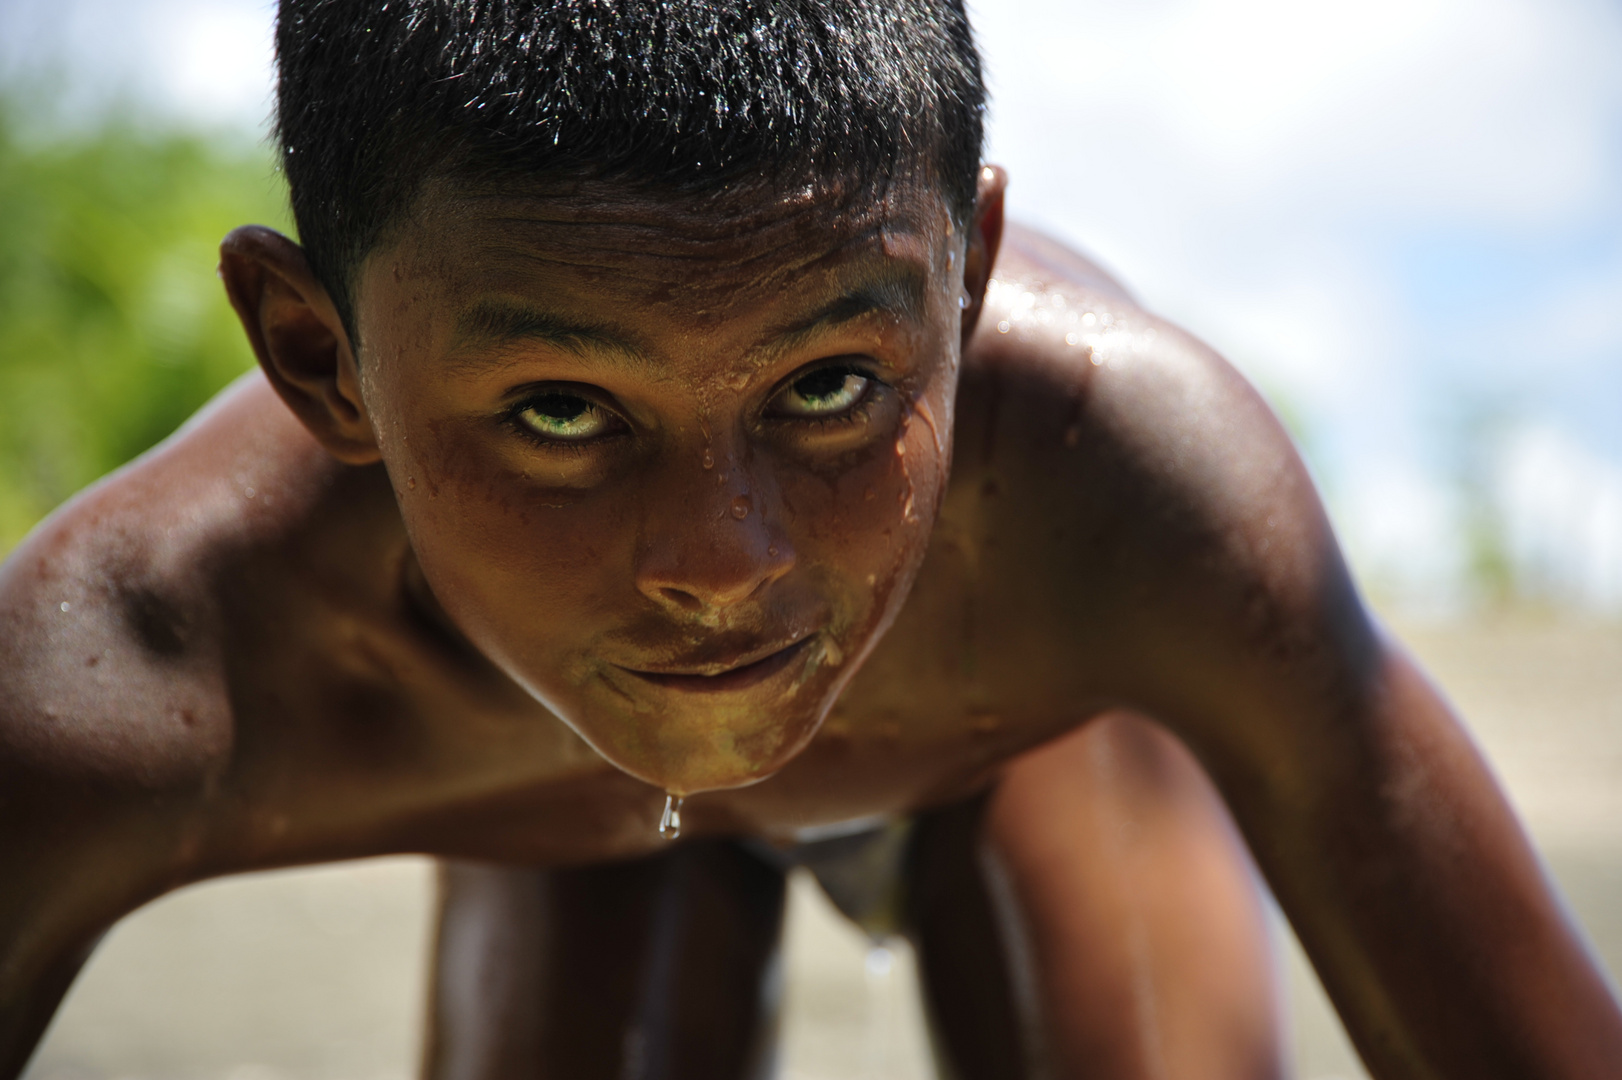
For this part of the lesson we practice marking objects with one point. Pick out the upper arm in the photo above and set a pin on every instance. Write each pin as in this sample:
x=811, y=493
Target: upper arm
x=111, y=726
x=1191, y=572
x=1163, y=542
x=1248, y=633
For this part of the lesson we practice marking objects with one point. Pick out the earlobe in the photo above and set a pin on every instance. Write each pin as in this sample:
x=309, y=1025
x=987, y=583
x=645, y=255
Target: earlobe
x=299, y=339
x=985, y=237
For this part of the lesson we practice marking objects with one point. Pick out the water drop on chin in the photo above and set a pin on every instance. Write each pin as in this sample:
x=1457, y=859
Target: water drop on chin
x=740, y=507
x=708, y=460
x=670, y=820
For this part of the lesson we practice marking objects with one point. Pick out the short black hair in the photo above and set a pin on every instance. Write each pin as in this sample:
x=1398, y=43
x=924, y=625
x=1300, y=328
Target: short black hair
x=375, y=97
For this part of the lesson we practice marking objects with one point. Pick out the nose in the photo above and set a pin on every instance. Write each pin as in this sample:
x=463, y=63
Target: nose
x=709, y=545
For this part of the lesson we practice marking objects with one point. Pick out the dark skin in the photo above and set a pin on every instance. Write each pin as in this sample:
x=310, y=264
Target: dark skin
x=736, y=499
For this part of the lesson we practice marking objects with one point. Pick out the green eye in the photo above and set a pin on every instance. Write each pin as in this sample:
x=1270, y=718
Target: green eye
x=827, y=391
x=565, y=417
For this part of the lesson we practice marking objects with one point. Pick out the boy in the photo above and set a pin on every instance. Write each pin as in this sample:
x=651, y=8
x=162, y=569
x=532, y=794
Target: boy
x=641, y=421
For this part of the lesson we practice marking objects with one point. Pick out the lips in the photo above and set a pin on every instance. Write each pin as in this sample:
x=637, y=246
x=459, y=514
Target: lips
x=740, y=677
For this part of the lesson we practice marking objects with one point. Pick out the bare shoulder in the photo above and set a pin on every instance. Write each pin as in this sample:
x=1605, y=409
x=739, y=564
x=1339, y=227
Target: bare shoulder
x=115, y=714
x=121, y=626
x=1160, y=514
x=110, y=624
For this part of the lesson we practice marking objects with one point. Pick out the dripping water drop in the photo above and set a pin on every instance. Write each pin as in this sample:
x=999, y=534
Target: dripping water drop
x=921, y=407
x=708, y=460
x=670, y=820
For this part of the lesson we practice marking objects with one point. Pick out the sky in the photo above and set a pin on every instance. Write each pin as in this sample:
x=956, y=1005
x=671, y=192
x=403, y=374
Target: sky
x=1401, y=218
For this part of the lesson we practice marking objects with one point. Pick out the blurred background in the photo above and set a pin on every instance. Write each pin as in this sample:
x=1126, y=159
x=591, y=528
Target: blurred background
x=1403, y=220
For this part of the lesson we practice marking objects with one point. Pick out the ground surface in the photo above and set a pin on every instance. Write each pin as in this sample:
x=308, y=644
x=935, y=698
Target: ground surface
x=318, y=975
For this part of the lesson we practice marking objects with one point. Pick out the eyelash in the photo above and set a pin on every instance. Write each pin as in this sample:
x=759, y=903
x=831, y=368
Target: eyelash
x=858, y=413
x=513, y=418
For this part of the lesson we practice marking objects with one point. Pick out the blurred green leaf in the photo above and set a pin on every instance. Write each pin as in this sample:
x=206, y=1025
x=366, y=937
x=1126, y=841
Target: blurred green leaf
x=113, y=325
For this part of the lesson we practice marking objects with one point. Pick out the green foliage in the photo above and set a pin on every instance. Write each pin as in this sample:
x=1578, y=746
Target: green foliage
x=113, y=325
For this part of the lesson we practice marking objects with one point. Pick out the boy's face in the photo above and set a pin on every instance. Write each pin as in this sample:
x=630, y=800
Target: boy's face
x=671, y=465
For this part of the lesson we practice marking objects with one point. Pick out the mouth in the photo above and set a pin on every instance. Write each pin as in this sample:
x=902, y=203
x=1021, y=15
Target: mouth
x=751, y=673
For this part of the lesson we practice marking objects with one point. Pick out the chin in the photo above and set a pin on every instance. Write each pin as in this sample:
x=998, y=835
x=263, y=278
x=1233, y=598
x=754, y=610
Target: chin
x=687, y=753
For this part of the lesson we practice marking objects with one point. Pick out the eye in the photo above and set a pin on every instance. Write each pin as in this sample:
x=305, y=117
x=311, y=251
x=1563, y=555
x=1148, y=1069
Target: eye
x=827, y=391
x=565, y=417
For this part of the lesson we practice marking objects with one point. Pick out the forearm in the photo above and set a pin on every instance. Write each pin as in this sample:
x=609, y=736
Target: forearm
x=27, y=1006
x=70, y=867
x=1422, y=905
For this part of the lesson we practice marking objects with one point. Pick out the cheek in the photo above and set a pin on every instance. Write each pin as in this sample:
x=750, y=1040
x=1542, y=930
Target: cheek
x=498, y=553
x=868, y=524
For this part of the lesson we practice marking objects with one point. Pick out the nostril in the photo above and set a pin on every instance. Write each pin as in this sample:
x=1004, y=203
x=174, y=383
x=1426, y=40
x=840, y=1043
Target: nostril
x=681, y=598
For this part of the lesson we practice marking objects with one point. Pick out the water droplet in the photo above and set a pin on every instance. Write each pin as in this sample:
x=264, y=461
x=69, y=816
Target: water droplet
x=740, y=507
x=1072, y=338
x=771, y=553
x=670, y=820
x=1089, y=319
x=963, y=301
x=411, y=483
x=708, y=461
x=879, y=961
x=249, y=492
x=1003, y=327
x=951, y=258
x=66, y=605
x=1097, y=357
x=921, y=407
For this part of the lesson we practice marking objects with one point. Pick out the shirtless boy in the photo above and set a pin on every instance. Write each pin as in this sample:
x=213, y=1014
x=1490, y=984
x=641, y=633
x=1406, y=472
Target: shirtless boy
x=657, y=404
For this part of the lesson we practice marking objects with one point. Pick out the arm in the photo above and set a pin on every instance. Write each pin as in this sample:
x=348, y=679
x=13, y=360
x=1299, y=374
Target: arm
x=1377, y=823
x=108, y=729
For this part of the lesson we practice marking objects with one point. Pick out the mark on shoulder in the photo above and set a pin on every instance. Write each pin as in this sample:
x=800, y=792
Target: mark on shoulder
x=109, y=673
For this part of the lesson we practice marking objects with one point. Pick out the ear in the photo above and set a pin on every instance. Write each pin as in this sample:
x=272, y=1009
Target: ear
x=985, y=237
x=299, y=339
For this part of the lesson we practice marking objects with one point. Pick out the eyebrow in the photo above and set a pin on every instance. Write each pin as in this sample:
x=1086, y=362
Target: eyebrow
x=897, y=289
x=901, y=290
x=494, y=321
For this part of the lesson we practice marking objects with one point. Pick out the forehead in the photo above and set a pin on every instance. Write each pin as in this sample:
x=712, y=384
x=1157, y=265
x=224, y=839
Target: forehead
x=702, y=252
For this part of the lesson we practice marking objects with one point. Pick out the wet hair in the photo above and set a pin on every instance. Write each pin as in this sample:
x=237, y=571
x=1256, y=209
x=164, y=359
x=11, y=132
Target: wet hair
x=376, y=97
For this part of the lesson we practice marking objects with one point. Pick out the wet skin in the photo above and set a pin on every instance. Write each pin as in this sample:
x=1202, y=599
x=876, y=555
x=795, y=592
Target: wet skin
x=620, y=495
